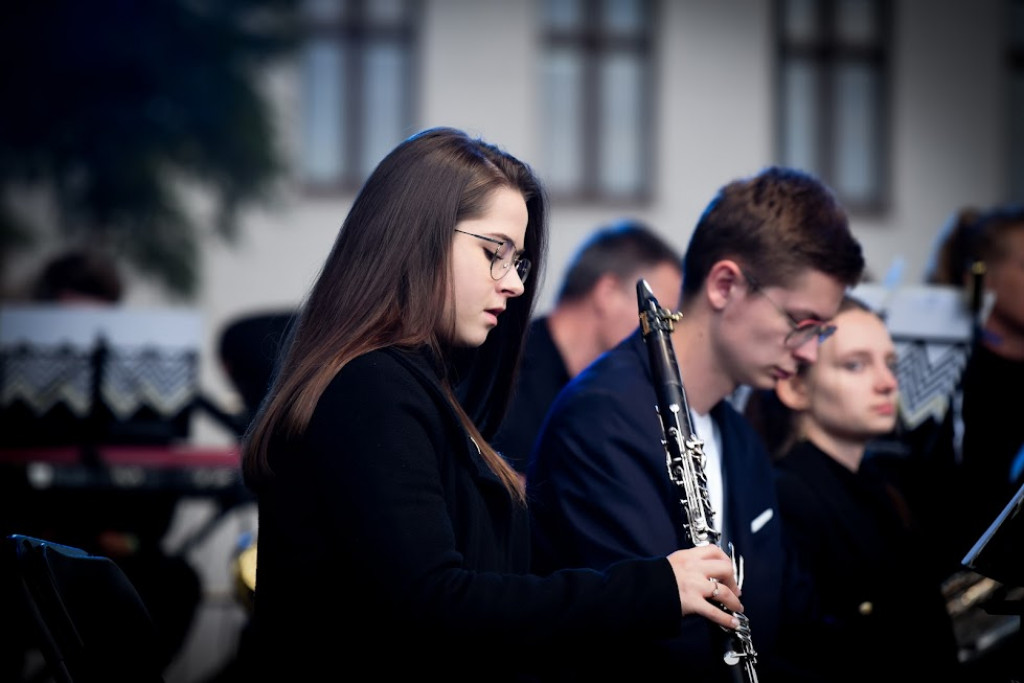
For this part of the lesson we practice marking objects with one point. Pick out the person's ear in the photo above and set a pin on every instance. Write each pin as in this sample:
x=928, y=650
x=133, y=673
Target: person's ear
x=793, y=393
x=721, y=283
x=606, y=293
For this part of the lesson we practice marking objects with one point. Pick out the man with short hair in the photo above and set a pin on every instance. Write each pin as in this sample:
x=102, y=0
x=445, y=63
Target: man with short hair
x=595, y=310
x=765, y=270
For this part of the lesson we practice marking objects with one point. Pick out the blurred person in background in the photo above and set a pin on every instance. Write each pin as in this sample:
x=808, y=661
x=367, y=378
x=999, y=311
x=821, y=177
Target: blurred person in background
x=79, y=276
x=878, y=585
x=595, y=310
x=992, y=451
x=977, y=453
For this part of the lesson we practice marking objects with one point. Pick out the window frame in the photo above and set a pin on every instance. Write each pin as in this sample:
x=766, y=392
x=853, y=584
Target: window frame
x=355, y=35
x=827, y=54
x=593, y=43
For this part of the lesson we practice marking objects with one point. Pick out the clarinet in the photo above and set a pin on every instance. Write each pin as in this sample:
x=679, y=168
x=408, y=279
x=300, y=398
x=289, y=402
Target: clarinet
x=684, y=458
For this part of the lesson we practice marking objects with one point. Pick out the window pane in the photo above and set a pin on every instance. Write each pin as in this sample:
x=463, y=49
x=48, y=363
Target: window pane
x=857, y=99
x=563, y=148
x=384, y=102
x=621, y=155
x=323, y=114
x=325, y=10
x=623, y=16
x=563, y=15
x=386, y=11
x=800, y=20
x=855, y=21
x=800, y=121
x=832, y=84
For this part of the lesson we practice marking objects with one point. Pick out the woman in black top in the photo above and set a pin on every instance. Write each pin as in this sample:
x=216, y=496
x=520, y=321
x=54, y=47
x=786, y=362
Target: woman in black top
x=392, y=537
x=883, y=616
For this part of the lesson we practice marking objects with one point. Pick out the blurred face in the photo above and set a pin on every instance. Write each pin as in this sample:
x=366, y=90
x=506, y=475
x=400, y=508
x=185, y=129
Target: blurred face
x=1005, y=279
x=850, y=393
x=477, y=299
x=756, y=335
x=619, y=312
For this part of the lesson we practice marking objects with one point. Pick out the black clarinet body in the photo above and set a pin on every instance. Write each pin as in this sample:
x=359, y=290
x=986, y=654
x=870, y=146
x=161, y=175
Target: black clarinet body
x=684, y=458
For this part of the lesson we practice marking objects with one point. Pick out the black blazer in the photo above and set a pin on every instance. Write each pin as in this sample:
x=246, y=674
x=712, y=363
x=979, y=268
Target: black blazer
x=386, y=544
x=600, y=492
x=883, y=617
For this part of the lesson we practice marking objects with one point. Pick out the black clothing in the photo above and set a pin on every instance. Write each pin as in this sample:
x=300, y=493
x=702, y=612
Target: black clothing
x=542, y=374
x=599, y=492
x=969, y=458
x=993, y=437
x=883, y=617
x=387, y=545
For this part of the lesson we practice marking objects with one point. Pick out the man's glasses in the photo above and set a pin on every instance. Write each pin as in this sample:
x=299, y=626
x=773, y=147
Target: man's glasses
x=801, y=331
x=503, y=258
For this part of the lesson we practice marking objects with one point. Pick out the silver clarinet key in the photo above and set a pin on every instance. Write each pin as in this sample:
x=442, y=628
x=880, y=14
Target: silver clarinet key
x=737, y=566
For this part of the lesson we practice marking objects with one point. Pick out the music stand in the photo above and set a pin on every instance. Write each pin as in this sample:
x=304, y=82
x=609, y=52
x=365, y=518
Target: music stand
x=96, y=375
x=999, y=552
x=998, y=555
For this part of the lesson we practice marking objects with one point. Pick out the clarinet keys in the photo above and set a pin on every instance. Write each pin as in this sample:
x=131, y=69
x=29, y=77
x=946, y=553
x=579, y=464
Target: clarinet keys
x=744, y=653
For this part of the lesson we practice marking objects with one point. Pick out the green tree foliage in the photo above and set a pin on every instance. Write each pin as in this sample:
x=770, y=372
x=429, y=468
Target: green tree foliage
x=112, y=104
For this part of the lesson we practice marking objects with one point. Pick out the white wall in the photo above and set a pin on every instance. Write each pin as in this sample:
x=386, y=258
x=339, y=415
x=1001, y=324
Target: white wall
x=947, y=137
x=714, y=122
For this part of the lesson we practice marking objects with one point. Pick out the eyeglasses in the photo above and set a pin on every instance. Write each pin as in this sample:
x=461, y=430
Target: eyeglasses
x=801, y=331
x=503, y=258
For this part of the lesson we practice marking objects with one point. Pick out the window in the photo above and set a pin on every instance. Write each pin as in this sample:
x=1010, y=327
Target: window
x=1015, y=61
x=596, y=95
x=357, y=87
x=832, y=95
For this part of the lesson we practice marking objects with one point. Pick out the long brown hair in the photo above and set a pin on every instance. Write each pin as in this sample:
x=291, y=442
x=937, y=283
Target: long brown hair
x=385, y=283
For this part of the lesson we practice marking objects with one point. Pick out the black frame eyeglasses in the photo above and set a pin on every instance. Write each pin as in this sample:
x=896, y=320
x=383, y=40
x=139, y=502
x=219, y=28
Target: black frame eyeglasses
x=502, y=259
x=801, y=331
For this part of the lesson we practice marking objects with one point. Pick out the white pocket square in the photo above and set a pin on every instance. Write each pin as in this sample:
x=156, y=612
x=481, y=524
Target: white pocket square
x=761, y=520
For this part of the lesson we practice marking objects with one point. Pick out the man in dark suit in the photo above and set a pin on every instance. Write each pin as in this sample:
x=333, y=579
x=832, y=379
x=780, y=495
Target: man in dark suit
x=765, y=269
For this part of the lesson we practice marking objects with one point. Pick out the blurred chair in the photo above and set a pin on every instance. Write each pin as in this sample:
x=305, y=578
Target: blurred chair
x=81, y=611
x=249, y=347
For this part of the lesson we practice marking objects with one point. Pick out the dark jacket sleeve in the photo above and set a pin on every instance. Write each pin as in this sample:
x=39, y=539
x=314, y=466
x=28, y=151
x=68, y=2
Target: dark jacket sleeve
x=424, y=523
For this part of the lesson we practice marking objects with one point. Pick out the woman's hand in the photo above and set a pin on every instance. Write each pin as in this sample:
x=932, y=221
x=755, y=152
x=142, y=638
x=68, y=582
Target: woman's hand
x=705, y=579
